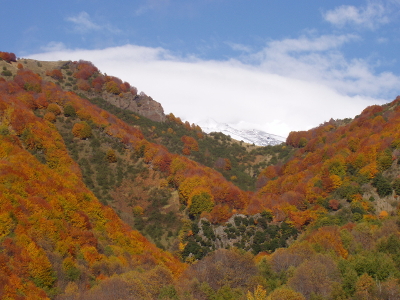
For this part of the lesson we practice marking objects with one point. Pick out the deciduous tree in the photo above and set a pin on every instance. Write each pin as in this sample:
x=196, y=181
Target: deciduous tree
x=82, y=130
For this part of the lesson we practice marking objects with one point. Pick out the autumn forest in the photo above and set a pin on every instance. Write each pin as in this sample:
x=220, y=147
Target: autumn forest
x=102, y=196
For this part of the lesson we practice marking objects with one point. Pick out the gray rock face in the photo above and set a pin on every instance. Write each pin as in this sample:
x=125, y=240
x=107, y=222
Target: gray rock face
x=140, y=104
x=149, y=108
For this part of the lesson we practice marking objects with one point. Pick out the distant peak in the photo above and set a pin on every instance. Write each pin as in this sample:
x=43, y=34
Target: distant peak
x=251, y=136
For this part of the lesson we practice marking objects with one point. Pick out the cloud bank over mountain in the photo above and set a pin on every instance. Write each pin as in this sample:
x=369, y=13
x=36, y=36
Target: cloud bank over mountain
x=282, y=84
x=292, y=84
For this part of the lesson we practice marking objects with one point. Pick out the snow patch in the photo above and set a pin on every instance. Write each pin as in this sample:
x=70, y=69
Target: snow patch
x=250, y=136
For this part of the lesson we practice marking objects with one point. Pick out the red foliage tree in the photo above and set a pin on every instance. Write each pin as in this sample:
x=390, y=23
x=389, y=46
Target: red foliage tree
x=85, y=70
x=55, y=74
x=8, y=56
x=98, y=83
x=28, y=80
x=334, y=204
x=83, y=85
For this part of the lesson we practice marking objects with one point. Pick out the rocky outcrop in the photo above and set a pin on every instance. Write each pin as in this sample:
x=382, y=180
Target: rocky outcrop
x=140, y=104
x=149, y=108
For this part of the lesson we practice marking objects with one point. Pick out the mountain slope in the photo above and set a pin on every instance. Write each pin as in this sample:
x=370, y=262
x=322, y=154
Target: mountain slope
x=53, y=230
x=340, y=165
x=80, y=176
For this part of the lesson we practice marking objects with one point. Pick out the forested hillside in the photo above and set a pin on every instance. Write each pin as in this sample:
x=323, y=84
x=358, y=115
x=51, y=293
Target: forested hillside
x=103, y=196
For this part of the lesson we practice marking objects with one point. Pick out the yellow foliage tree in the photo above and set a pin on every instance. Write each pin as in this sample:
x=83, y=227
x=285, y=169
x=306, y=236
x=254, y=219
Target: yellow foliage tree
x=201, y=202
x=284, y=293
x=54, y=108
x=336, y=181
x=6, y=224
x=111, y=156
x=40, y=268
x=259, y=294
x=370, y=170
x=113, y=88
x=187, y=187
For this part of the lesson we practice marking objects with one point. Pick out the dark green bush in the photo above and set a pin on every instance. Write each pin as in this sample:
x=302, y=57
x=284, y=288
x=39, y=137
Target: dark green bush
x=382, y=185
x=396, y=186
x=6, y=73
x=69, y=111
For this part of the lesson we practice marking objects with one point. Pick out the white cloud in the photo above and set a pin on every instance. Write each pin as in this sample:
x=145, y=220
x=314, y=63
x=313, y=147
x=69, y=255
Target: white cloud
x=382, y=40
x=54, y=46
x=83, y=24
x=304, y=43
x=371, y=16
x=319, y=60
x=290, y=85
x=151, y=5
x=239, y=47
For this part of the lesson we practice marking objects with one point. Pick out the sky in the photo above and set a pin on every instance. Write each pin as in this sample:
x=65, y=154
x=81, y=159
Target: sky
x=277, y=66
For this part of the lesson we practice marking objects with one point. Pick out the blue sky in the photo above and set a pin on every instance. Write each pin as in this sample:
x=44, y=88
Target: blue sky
x=273, y=65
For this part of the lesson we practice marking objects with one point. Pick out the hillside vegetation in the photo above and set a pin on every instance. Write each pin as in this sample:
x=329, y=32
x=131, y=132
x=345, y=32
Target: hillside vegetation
x=102, y=196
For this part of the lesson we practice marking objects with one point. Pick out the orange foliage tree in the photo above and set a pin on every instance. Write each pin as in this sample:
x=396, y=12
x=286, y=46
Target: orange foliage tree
x=190, y=144
x=82, y=130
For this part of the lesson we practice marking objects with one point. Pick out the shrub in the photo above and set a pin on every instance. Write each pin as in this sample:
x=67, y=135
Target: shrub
x=200, y=203
x=113, y=88
x=49, y=116
x=82, y=130
x=55, y=74
x=396, y=186
x=69, y=111
x=383, y=186
x=98, y=83
x=6, y=73
x=385, y=161
x=110, y=156
x=334, y=204
x=83, y=85
x=70, y=269
x=83, y=115
x=8, y=56
x=4, y=130
x=303, y=142
x=54, y=108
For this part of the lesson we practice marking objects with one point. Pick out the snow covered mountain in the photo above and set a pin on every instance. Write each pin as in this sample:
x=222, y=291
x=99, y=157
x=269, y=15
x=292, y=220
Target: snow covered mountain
x=258, y=137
